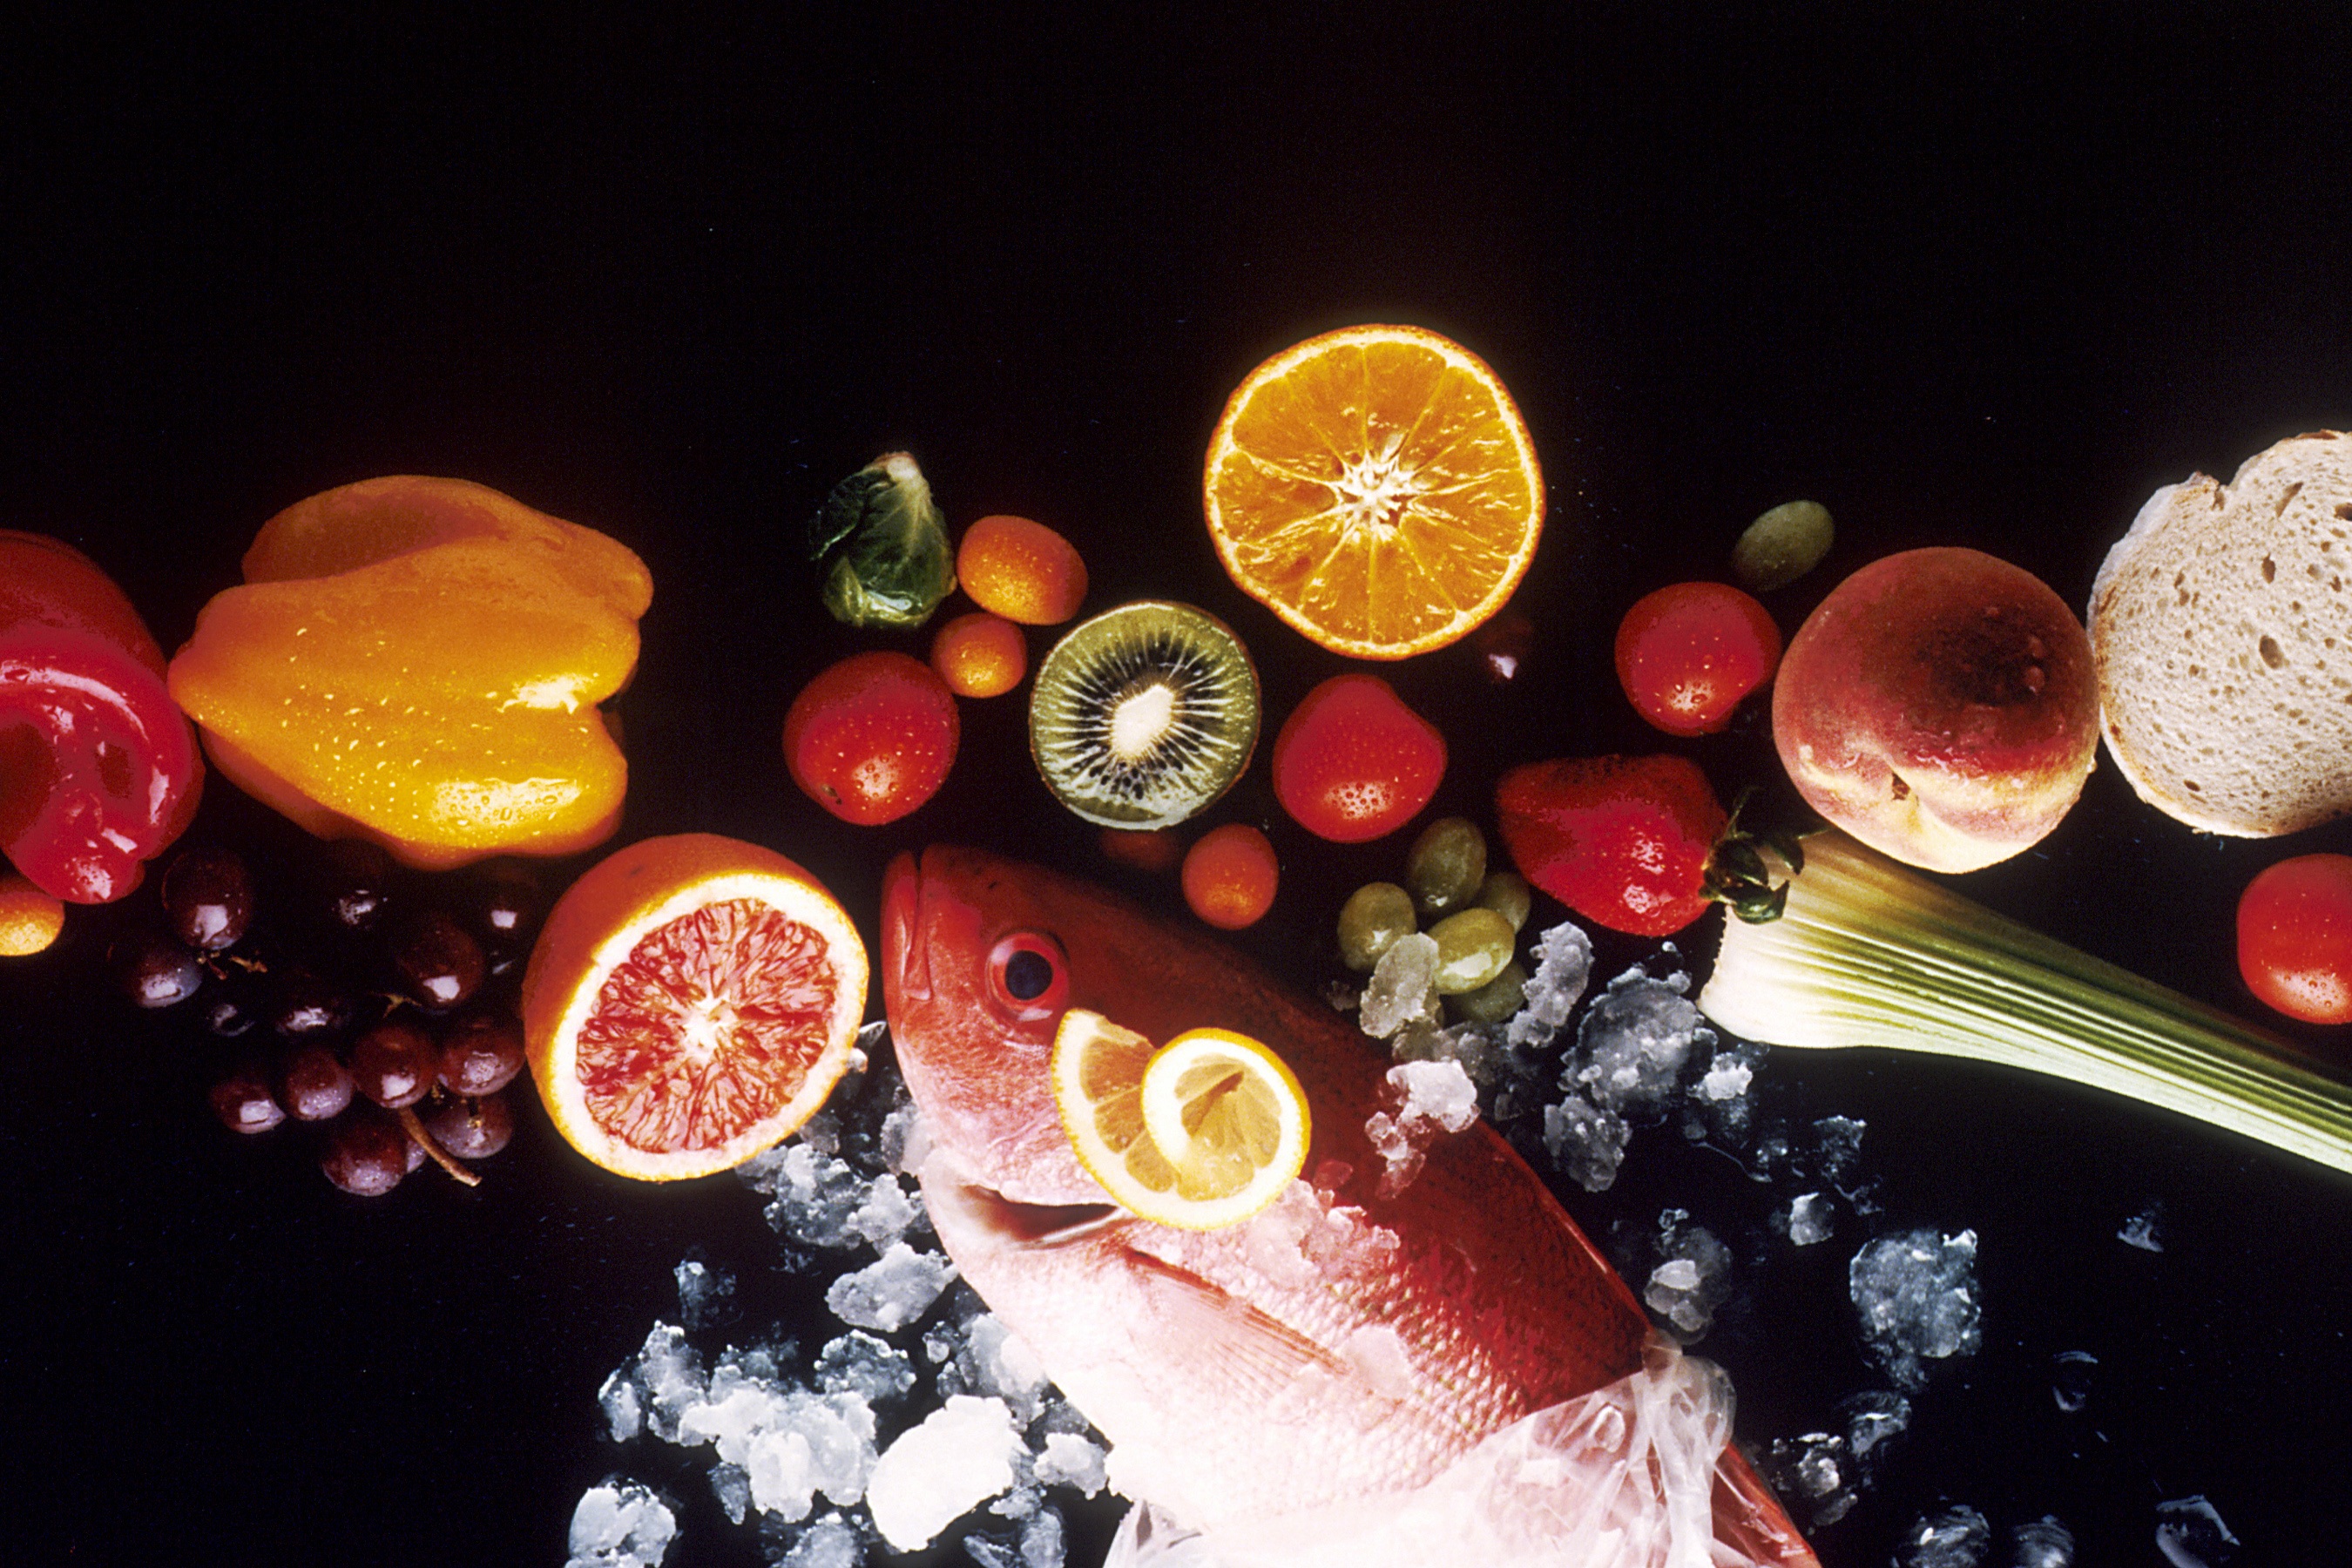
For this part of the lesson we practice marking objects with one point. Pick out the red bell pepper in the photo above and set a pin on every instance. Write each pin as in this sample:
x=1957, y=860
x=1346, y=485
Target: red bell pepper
x=98, y=769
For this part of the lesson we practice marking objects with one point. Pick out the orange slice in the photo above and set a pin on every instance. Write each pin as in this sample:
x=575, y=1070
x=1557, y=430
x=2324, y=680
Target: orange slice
x=1200, y=1133
x=691, y=1000
x=1375, y=487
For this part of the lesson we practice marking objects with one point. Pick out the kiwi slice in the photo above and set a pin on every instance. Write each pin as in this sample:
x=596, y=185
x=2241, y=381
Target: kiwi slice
x=1144, y=715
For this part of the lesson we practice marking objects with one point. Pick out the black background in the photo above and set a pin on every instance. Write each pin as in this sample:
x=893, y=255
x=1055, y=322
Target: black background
x=1965, y=274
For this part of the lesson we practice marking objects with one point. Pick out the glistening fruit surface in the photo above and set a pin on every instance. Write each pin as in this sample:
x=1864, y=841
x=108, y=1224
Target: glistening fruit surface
x=691, y=1001
x=1375, y=487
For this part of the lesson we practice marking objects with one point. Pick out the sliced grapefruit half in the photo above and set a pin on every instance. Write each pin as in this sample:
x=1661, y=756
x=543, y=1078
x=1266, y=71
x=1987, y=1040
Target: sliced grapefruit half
x=691, y=1001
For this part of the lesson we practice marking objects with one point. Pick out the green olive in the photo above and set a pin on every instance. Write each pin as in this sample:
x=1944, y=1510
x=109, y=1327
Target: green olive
x=1495, y=1002
x=1505, y=893
x=1783, y=545
x=1472, y=949
x=1374, y=916
x=1445, y=865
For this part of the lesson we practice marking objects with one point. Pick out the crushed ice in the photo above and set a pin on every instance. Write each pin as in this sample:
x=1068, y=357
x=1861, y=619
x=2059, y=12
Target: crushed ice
x=621, y=1524
x=922, y=1410
x=2190, y=1534
x=1563, y=968
x=1403, y=987
x=1692, y=1278
x=2041, y=1544
x=1956, y=1538
x=2143, y=1229
x=1916, y=1292
x=1428, y=1099
x=1632, y=1048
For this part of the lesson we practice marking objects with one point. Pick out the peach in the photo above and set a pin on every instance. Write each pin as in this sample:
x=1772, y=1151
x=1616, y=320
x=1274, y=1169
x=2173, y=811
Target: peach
x=1939, y=706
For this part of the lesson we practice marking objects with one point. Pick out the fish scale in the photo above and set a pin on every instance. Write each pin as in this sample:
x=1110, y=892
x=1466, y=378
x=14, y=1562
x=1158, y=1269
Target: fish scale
x=1341, y=1346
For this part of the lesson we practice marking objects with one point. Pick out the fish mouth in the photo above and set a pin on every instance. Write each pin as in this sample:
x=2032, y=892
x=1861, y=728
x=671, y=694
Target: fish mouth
x=968, y=1209
x=906, y=958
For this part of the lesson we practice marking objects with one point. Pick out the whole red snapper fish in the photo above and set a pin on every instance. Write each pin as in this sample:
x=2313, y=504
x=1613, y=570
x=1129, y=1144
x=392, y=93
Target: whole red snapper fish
x=1449, y=1374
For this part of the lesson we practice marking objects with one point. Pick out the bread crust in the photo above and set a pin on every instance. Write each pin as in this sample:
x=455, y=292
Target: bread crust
x=2220, y=631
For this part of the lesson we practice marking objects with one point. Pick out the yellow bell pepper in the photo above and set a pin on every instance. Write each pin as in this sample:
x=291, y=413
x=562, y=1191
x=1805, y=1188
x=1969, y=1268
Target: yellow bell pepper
x=418, y=661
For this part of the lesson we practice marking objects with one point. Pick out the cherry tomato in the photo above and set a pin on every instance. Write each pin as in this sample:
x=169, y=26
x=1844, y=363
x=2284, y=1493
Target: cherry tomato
x=1687, y=654
x=979, y=654
x=1353, y=763
x=1230, y=875
x=2294, y=937
x=872, y=738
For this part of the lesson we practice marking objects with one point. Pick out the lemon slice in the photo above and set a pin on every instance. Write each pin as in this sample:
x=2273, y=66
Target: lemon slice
x=1200, y=1133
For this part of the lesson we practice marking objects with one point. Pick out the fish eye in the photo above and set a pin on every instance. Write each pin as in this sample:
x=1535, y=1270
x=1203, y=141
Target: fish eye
x=1028, y=975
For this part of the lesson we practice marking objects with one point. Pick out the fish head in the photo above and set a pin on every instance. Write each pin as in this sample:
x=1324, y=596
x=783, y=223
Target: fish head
x=979, y=958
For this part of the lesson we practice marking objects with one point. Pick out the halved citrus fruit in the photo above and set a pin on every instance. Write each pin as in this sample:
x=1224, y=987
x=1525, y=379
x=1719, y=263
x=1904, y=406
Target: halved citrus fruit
x=1375, y=489
x=1200, y=1133
x=691, y=1000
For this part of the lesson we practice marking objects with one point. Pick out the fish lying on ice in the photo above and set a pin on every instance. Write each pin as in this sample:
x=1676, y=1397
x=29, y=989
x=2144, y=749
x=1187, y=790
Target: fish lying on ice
x=1452, y=1374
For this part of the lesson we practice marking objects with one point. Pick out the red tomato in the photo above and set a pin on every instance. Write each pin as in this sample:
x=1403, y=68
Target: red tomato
x=1230, y=876
x=1687, y=654
x=1352, y=762
x=2294, y=937
x=872, y=738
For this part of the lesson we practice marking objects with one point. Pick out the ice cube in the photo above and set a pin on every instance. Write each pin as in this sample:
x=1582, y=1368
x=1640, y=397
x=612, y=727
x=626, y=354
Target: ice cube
x=905, y=1143
x=1563, y=968
x=1727, y=1077
x=625, y=1411
x=815, y=1198
x=859, y=1363
x=961, y=1456
x=2041, y=1544
x=2071, y=1376
x=1814, y=1467
x=2141, y=1231
x=1067, y=1459
x=2190, y=1534
x=668, y=1377
x=1438, y=1093
x=1633, y=1041
x=731, y=1484
x=1837, y=1145
x=828, y=1541
x=892, y=1291
x=1586, y=1142
x=991, y=1361
x=885, y=1213
x=1040, y=1545
x=1873, y=1417
x=621, y=1524
x=1810, y=1219
x=1916, y=1292
x=1403, y=986
x=703, y=1293
x=1694, y=1278
x=1956, y=1538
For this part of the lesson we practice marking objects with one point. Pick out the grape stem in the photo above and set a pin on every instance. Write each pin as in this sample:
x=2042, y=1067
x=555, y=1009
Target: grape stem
x=441, y=1157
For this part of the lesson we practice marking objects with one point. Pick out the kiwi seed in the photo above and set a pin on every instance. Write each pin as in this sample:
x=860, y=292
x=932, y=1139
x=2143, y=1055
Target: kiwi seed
x=1144, y=715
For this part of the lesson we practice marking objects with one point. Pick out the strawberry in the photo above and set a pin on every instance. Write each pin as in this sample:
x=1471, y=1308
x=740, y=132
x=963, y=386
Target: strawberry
x=1624, y=841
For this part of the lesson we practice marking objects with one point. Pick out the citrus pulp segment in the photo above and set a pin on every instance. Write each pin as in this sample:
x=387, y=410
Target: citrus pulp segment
x=691, y=1001
x=1375, y=489
x=1231, y=1110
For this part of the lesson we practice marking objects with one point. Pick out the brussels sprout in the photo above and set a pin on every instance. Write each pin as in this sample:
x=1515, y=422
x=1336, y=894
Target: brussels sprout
x=883, y=546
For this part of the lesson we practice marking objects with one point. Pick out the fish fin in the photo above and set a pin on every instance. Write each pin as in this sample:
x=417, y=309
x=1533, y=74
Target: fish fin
x=1149, y=1538
x=1748, y=1518
x=1260, y=1352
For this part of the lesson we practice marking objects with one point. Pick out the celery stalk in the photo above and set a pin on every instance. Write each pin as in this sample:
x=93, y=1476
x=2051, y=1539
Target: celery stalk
x=1869, y=954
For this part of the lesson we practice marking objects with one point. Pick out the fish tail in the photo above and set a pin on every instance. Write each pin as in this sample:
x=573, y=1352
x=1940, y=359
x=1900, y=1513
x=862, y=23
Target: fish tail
x=1749, y=1520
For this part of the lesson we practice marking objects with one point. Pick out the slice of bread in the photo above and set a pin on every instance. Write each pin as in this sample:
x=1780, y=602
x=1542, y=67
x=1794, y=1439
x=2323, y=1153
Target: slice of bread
x=2221, y=630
